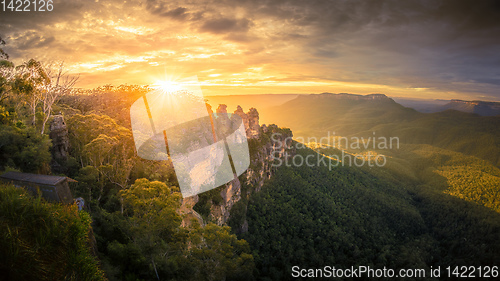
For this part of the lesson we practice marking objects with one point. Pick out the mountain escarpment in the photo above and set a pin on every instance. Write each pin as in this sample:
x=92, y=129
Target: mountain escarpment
x=266, y=144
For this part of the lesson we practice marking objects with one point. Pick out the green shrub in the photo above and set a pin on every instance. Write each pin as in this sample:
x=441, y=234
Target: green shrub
x=44, y=241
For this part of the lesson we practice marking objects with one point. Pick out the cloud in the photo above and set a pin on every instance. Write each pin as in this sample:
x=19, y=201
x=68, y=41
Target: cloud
x=226, y=25
x=177, y=13
x=163, y=10
x=435, y=44
x=63, y=11
x=31, y=40
x=469, y=15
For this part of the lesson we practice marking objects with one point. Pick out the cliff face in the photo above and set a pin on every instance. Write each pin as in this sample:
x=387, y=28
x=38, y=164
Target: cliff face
x=265, y=142
x=187, y=211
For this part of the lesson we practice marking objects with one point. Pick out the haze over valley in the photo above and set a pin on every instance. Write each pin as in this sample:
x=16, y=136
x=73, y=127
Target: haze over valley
x=250, y=140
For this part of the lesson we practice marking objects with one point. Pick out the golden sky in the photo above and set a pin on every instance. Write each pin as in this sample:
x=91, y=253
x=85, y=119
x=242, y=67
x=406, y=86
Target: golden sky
x=426, y=49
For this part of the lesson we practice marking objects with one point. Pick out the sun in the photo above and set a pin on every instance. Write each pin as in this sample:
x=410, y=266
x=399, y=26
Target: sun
x=168, y=86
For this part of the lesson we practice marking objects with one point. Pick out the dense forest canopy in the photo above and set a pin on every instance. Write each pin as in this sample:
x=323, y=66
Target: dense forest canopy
x=435, y=203
x=350, y=217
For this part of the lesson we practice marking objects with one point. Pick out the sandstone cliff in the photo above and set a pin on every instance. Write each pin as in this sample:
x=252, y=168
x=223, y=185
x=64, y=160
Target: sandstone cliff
x=264, y=143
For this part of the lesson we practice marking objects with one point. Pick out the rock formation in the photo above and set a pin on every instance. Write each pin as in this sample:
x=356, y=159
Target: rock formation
x=263, y=147
x=221, y=109
x=187, y=211
x=253, y=129
x=239, y=112
x=60, y=143
x=251, y=121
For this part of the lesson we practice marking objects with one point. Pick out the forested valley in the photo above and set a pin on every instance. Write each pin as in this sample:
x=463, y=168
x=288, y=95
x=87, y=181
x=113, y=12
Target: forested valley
x=430, y=206
x=349, y=217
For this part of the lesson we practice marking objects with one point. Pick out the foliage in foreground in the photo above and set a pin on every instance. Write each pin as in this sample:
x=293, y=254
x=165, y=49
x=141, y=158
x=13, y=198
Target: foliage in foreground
x=24, y=148
x=148, y=242
x=43, y=241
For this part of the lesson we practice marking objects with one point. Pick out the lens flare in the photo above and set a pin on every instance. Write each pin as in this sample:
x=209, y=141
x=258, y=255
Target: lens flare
x=168, y=86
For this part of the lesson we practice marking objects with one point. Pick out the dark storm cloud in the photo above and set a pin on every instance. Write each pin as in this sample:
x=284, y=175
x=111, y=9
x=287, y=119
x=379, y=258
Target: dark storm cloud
x=466, y=14
x=225, y=25
x=470, y=15
x=421, y=22
x=413, y=41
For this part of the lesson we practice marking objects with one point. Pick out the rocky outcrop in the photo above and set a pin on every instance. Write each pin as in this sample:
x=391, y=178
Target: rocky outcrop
x=251, y=121
x=60, y=143
x=239, y=111
x=265, y=143
x=221, y=109
x=253, y=129
x=231, y=193
x=186, y=210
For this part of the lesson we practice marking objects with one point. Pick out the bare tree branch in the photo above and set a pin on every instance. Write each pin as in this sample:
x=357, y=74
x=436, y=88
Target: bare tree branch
x=60, y=84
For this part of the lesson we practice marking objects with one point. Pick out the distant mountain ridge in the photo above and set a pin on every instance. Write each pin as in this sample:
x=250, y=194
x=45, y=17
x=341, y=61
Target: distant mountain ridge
x=248, y=101
x=315, y=114
x=421, y=105
x=356, y=115
x=346, y=96
x=483, y=108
